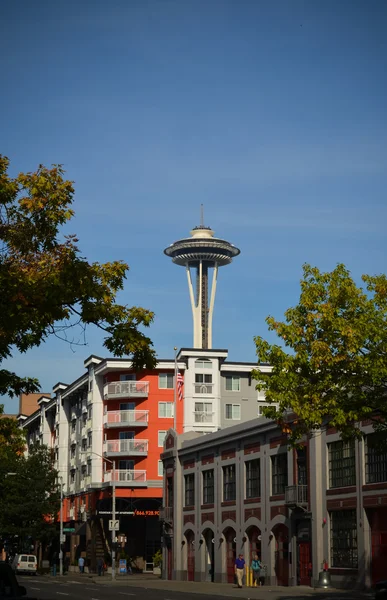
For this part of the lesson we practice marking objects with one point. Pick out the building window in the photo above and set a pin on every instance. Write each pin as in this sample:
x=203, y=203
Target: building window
x=72, y=451
x=279, y=473
x=128, y=377
x=376, y=461
x=203, y=383
x=261, y=406
x=90, y=385
x=83, y=471
x=166, y=410
x=189, y=489
x=72, y=476
x=89, y=467
x=203, y=364
x=161, y=438
x=208, y=486
x=160, y=468
x=84, y=444
x=89, y=439
x=343, y=539
x=73, y=426
x=89, y=412
x=229, y=487
x=233, y=383
x=342, y=471
x=166, y=381
x=253, y=478
x=233, y=411
x=203, y=412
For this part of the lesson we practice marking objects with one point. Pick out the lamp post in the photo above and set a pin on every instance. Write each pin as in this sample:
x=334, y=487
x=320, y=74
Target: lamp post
x=113, y=511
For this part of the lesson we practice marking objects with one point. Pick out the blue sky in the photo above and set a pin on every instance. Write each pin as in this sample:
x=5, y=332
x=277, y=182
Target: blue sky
x=270, y=113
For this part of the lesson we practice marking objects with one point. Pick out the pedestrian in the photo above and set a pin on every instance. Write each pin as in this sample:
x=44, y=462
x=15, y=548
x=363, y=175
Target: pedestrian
x=81, y=564
x=100, y=566
x=262, y=574
x=255, y=567
x=240, y=569
x=54, y=559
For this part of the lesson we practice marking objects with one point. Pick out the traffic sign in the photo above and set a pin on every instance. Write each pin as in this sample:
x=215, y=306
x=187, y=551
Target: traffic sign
x=114, y=525
x=68, y=529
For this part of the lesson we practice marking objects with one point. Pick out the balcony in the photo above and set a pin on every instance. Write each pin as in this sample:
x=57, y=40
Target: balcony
x=126, y=418
x=203, y=416
x=296, y=495
x=166, y=514
x=133, y=478
x=125, y=447
x=203, y=388
x=126, y=389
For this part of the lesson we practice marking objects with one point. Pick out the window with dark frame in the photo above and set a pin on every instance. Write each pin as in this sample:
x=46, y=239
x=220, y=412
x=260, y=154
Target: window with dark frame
x=189, y=489
x=253, y=478
x=229, y=483
x=342, y=464
x=279, y=473
x=233, y=383
x=208, y=486
x=375, y=461
x=344, y=539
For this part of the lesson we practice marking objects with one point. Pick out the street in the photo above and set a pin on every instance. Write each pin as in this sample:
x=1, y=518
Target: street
x=75, y=587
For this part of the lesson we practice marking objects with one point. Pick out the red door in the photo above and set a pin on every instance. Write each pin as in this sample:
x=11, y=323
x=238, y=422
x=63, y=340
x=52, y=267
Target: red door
x=379, y=556
x=282, y=556
x=190, y=559
x=305, y=565
x=230, y=557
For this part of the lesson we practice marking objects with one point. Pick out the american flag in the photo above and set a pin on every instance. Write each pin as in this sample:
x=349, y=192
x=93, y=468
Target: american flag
x=180, y=383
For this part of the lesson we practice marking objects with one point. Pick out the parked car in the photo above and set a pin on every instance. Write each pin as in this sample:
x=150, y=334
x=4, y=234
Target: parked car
x=381, y=590
x=9, y=587
x=25, y=563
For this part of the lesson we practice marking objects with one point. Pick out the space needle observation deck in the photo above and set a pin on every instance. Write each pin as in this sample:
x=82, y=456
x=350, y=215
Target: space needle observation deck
x=200, y=253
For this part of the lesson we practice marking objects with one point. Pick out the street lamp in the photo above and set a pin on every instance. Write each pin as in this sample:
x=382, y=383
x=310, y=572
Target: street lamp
x=113, y=511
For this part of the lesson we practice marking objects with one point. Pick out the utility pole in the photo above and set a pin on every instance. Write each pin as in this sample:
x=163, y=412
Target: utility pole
x=61, y=527
x=114, y=521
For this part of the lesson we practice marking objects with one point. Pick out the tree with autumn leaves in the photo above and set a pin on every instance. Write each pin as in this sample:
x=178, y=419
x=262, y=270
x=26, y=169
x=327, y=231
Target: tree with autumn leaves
x=47, y=286
x=331, y=369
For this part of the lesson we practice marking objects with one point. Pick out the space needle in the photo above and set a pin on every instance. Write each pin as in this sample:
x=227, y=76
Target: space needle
x=200, y=253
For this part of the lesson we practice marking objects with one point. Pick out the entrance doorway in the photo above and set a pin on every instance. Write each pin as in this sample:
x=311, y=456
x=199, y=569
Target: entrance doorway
x=190, y=537
x=230, y=534
x=281, y=554
x=209, y=555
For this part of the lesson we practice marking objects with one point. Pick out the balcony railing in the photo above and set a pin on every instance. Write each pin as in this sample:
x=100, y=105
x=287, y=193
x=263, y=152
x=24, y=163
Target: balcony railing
x=126, y=389
x=166, y=514
x=126, y=476
x=130, y=418
x=128, y=447
x=296, y=495
x=202, y=416
x=203, y=388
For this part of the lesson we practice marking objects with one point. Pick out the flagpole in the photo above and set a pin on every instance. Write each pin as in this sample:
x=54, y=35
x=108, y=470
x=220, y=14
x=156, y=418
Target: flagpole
x=175, y=393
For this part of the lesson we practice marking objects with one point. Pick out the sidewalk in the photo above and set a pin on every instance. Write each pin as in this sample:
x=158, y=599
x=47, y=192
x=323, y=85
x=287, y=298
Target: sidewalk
x=150, y=581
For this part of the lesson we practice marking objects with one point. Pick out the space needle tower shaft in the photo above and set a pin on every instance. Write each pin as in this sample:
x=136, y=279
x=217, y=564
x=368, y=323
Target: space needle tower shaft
x=199, y=254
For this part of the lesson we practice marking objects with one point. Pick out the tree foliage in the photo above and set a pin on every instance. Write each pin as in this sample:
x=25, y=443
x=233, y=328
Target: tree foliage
x=336, y=372
x=29, y=496
x=47, y=286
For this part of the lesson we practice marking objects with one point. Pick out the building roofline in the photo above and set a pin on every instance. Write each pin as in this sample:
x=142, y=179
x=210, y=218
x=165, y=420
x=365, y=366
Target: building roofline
x=241, y=430
x=76, y=384
x=60, y=386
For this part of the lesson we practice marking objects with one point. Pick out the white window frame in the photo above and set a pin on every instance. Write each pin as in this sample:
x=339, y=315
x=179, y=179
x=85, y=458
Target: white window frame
x=262, y=405
x=233, y=417
x=234, y=379
x=166, y=375
x=160, y=468
x=204, y=363
x=161, y=432
x=170, y=405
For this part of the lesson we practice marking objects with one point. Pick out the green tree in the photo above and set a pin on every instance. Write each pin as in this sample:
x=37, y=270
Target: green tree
x=47, y=286
x=335, y=373
x=29, y=496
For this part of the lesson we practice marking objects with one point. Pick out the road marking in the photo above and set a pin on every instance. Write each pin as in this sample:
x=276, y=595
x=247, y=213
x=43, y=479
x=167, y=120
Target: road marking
x=63, y=594
x=33, y=588
x=126, y=594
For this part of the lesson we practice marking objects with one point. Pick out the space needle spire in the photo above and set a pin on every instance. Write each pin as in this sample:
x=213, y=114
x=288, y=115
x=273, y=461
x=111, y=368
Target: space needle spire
x=198, y=254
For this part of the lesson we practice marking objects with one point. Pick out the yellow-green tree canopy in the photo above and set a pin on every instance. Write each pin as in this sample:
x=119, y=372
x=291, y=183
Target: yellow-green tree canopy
x=47, y=286
x=335, y=372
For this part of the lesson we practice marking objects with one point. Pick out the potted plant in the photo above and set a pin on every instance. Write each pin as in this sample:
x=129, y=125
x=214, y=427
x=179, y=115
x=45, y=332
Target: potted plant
x=157, y=562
